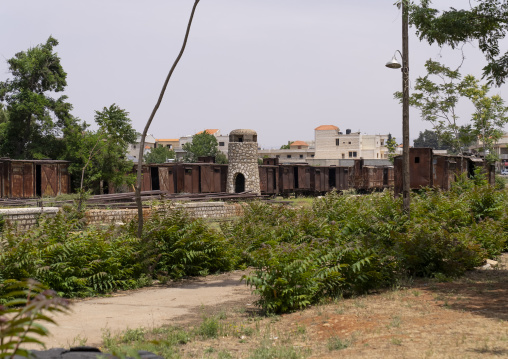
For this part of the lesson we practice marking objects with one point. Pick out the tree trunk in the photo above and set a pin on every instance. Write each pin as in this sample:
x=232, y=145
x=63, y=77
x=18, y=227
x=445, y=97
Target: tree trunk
x=149, y=122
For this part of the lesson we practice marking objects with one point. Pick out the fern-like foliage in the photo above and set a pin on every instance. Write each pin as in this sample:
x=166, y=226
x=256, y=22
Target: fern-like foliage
x=21, y=316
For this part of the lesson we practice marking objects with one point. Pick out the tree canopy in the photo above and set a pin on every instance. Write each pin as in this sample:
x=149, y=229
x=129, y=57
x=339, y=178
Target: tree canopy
x=37, y=122
x=203, y=144
x=101, y=155
x=486, y=22
x=159, y=154
x=437, y=95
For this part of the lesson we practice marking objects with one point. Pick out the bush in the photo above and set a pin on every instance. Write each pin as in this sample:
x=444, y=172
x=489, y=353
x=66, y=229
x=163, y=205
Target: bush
x=72, y=262
x=179, y=245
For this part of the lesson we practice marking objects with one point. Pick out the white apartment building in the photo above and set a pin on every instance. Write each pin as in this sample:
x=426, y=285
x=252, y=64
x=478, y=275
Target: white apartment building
x=332, y=144
x=133, y=149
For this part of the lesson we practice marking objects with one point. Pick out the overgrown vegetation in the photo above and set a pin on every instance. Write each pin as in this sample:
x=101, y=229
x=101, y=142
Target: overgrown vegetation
x=22, y=310
x=339, y=246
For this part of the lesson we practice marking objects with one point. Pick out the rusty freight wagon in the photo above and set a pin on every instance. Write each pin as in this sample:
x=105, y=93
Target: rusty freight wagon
x=33, y=178
x=438, y=171
x=371, y=178
x=184, y=177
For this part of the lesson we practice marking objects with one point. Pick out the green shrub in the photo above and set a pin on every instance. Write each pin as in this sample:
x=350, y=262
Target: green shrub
x=24, y=309
x=292, y=276
x=179, y=245
x=72, y=262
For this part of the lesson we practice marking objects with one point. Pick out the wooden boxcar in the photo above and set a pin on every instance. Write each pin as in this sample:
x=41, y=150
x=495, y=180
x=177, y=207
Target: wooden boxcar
x=33, y=178
x=438, y=171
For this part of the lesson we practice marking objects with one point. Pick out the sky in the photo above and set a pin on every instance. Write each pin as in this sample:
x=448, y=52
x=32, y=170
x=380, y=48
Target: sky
x=279, y=67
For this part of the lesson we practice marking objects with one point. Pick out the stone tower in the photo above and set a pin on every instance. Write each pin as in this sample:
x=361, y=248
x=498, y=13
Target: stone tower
x=243, y=172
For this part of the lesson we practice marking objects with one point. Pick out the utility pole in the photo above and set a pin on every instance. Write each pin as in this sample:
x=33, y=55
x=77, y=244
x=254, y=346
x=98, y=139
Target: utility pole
x=406, y=189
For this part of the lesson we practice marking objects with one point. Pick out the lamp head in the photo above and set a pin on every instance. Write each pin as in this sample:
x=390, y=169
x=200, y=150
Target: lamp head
x=393, y=63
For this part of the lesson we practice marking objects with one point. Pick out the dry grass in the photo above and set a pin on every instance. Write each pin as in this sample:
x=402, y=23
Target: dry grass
x=465, y=318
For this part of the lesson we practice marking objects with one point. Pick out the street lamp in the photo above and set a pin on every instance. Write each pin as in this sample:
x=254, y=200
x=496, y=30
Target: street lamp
x=394, y=64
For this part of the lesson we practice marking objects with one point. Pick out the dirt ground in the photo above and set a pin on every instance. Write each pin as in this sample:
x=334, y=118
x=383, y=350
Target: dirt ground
x=466, y=318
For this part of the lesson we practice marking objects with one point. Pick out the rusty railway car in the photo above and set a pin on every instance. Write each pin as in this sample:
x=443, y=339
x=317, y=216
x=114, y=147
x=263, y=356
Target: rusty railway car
x=33, y=178
x=185, y=177
x=371, y=178
x=438, y=171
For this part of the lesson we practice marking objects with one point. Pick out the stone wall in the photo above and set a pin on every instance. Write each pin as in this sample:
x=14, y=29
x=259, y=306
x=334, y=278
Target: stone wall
x=212, y=210
x=206, y=210
x=25, y=218
x=243, y=158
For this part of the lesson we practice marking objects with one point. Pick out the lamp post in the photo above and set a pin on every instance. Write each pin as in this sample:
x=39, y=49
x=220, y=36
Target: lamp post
x=406, y=198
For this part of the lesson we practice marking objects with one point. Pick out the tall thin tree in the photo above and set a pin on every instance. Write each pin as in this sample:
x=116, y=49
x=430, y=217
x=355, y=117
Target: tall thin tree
x=149, y=122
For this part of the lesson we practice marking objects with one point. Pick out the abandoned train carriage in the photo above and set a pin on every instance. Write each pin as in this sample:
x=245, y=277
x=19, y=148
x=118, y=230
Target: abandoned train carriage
x=33, y=178
x=438, y=171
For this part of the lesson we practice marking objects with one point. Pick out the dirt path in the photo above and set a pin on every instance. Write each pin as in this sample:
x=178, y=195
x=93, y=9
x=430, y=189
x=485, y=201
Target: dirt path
x=148, y=307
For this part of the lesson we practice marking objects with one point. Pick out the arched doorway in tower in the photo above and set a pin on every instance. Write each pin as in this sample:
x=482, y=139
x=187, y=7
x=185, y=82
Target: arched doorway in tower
x=239, y=183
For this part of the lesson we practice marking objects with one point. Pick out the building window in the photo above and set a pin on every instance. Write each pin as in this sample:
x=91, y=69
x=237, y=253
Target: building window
x=221, y=144
x=169, y=146
x=289, y=156
x=337, y=142
x=382, y=142
x=299, y=147
x=277, y=156
x=301, y=156
x=352, y=154
x=134, y=146
x=349, y=143
x=343, y=155
x=312, y=156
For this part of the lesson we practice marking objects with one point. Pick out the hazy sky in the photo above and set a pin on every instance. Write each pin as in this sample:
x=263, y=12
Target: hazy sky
x=280, y=67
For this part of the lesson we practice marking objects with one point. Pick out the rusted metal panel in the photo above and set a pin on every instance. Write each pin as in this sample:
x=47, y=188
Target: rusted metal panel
x=65, y=179
x=164, y=179
x=49, y=180
x=342, y=178
x=217, y=171
x=146, y=180
x=171, y=179
x=303, y=173
x=263, y=179
x=2, y=181
x=286, y=174
x=397, y=173
x=440, y=172
x=17, y=180
x=268, y=179
x=207, y=184
x=420, y=165
x=191, y=178
x=28, y=180
x=270, y=161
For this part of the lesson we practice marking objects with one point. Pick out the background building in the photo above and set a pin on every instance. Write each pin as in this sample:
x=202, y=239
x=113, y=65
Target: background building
x=133, y=149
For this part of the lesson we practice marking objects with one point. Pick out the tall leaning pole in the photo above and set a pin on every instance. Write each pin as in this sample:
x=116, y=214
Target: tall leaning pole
x=149, y=122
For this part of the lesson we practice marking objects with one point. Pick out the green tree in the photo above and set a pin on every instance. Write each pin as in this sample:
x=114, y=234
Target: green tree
x=99, y=156
x=490, y=115
x=429, y=138
x=286, y=147
x=486, y=22
x=37, y=122
x=437, y=102
x=391, y=145
x=159, y=155
x=202, y=144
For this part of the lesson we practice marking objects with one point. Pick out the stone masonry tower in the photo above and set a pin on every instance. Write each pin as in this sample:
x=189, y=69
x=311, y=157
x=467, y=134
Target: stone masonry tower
x=243, y=172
